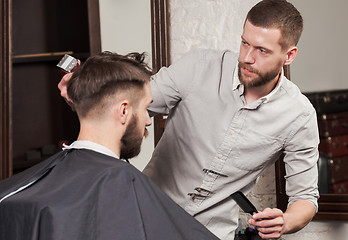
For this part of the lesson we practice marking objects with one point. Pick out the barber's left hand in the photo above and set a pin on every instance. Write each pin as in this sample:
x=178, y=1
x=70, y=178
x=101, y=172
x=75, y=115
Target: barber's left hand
x=269, y=223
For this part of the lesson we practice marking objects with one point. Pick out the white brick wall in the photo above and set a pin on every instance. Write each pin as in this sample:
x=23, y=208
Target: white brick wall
x=213, y=24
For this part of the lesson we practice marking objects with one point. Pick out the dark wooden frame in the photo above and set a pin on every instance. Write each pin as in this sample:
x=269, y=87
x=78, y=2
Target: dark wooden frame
x=160, y=49
x=5, y=120
x=331, y=206
x=94, y=26
x=6, y=70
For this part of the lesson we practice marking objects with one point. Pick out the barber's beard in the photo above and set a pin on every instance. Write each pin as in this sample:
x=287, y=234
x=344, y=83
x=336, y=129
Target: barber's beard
x=262, y=79
x=131, y=140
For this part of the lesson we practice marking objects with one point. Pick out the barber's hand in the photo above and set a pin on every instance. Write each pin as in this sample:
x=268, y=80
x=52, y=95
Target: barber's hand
x=269, y=223
x=62, y=85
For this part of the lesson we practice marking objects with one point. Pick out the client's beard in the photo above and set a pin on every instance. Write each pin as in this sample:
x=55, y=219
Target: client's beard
x=131, y=140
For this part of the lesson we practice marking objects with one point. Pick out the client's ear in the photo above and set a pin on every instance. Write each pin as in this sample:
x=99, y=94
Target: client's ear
x=124, y=111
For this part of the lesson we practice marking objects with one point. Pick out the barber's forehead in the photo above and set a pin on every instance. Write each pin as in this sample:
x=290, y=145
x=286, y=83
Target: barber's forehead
x=261, y=37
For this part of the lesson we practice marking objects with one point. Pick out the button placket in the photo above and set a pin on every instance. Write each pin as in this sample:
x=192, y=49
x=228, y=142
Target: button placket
x=215, y=170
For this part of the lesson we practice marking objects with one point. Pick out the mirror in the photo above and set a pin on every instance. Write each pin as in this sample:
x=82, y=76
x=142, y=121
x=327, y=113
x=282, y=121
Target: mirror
x=320, y=67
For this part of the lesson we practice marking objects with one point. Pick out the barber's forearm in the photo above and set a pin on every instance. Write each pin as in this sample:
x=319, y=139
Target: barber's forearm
x=298, y=215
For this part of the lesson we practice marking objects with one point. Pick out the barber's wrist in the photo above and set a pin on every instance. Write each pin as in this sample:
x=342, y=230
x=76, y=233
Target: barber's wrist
x=287, y=224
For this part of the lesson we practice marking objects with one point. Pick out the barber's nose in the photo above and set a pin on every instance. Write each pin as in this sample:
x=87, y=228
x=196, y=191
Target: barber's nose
x=248, y=56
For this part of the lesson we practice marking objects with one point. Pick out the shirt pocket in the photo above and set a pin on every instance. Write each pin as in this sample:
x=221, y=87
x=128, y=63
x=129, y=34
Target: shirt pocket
x=254, y=150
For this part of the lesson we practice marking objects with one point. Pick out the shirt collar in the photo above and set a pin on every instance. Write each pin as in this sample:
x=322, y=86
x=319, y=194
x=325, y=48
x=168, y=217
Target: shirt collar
x=271, y=95
x=91, y=146
x=236, y=82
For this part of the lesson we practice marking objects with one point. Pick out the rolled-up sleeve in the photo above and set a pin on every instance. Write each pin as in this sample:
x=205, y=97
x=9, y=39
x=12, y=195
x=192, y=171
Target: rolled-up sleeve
x=301, y=157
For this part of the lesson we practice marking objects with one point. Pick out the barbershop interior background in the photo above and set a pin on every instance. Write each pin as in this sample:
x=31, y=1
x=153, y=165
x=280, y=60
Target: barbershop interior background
x=125, y=26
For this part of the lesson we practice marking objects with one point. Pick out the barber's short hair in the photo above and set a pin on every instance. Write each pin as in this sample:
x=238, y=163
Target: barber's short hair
x=104, y=76
x=278, y=14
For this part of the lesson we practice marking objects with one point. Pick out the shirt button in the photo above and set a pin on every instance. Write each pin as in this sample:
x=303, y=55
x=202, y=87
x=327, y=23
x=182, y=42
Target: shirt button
x=195, y=200
x=209, y=179
x=231, y=132
x=220, y=156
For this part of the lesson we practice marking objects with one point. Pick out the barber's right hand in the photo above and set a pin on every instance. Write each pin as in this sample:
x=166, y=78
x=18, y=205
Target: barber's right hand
x=62, y=85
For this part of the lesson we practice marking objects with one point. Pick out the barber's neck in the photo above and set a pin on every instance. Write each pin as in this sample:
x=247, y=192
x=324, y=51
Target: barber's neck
x=252, y=94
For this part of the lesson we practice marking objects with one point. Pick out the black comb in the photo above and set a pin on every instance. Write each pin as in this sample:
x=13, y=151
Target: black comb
x=244, y=202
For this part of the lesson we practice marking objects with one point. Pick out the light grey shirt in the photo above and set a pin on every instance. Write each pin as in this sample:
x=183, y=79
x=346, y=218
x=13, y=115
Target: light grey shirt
x=210, y=126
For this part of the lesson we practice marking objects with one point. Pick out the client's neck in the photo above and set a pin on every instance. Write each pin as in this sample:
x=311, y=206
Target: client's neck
x=99, y=133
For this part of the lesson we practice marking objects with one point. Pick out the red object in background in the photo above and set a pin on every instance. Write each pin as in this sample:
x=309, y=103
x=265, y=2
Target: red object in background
x=339, y=188
x=336, y=146
x=333, y=124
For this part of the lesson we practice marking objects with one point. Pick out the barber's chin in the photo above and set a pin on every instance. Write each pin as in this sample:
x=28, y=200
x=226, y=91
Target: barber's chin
x=246, y=80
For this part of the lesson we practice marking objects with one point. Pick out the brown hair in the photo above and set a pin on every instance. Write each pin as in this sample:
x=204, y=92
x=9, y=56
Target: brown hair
x=278, y=14
x=104, y=76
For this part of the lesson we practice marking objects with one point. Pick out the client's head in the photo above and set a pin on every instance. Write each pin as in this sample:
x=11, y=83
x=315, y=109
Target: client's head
x=112, y=90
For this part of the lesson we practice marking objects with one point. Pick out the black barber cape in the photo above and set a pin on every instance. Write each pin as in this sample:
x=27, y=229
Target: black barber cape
x=82, y=194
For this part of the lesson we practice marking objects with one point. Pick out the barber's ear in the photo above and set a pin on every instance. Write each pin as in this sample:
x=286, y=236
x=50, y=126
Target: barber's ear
x=124, y=111
x=291, y=55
